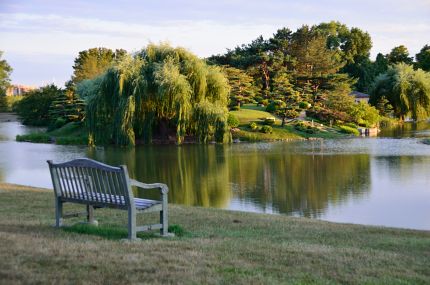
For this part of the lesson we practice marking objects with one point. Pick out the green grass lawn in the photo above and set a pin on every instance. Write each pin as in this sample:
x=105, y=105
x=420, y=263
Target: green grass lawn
x=70, y=134
x=216, y=247
x=253, y=113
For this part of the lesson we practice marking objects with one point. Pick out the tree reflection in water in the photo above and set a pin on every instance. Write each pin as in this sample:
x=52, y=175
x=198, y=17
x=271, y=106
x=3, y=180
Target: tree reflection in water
x=211, y=176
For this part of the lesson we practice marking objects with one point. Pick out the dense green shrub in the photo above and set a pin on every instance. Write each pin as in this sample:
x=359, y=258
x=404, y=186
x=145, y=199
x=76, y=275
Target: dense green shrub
x=269, y=121
x=59, y=122
x=253, y=126
x=34, y=138
x=352, y=125
x=304, y=105
x=271, y=108
x=291, y=114
x=267, y=129
x=235, y=108
x=259, y=99
x=349, y=130
x=233, y=121
x=34, y=107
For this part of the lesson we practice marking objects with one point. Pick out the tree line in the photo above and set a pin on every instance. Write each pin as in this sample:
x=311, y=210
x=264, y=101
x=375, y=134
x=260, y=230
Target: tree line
x=166, y=93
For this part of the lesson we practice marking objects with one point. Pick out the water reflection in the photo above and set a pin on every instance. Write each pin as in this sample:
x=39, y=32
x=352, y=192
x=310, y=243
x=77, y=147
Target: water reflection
x=302, y=184
x=278, y=180
x=354, y=180
x=411, y=129
x=196, y=175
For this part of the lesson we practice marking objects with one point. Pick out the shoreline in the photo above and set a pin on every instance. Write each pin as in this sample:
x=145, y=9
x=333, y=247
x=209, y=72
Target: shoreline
x=8, y=117
x=5, y=186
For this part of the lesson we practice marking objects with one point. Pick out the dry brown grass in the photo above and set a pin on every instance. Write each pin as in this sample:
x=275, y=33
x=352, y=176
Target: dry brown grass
x=219, y=247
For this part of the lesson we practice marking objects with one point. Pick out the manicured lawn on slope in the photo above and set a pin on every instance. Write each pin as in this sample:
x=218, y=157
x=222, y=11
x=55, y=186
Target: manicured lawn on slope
x=251, y=113
x=217, y=247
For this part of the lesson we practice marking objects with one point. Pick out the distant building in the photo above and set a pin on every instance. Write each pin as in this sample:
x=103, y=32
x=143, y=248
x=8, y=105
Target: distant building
x=360, y=97
x=18, y=90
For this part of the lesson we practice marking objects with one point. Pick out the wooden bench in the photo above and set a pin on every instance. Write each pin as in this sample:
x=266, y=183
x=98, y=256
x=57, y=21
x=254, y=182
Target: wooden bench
x=97, y=185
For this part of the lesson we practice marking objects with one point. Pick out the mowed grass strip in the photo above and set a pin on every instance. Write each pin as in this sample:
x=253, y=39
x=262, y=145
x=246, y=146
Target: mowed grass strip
x=216, y=247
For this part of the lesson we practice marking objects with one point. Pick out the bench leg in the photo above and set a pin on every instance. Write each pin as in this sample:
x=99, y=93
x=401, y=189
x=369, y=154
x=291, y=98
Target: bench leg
x=58, y=213
x=132, y=224
x=163, y=221
x=90, y=215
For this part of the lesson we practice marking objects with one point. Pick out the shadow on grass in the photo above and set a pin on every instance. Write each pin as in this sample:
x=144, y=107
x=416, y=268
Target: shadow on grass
x=113, y=232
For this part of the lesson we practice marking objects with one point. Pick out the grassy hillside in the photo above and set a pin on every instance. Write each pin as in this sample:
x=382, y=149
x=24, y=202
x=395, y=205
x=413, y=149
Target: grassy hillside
x=216, y=247
x=252, y=113
x=70, y=134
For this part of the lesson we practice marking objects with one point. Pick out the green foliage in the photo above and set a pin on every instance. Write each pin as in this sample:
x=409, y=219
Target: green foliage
x=159, y=90
x=269, y=121
x=59, y=122
x=67, y=107
x=340, y=99
x=33, y=109
x=3, y=101
x=177, y=230
x=253, y=126
x=349, y=130
x=302, y=127
x=365, y=115
x=12, y=101
x=399, y=54
x=242, y=90
x=407, y=91
x=34, y=138
x=5, y=71
x=351, y=44
x=266, y=129
x=423, y=58
x=70, y=134
x=94, y=62
x=291, y=113
x=351, y=125
x=384, y=107
x=304, y=105
x=232, y=121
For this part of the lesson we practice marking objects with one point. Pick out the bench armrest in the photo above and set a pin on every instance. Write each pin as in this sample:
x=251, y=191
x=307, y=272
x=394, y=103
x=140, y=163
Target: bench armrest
x=163, y=187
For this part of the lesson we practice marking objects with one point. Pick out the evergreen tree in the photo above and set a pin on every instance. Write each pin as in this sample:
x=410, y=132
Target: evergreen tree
x=67, y=107
x=423, y=58
x=399, y=54
x=241, y=87
x=5, y=71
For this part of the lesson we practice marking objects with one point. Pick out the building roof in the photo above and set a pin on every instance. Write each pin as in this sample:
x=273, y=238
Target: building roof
x=357, y=94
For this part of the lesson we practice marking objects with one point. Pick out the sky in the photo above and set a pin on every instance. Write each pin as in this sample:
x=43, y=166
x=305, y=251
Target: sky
x=41, y=38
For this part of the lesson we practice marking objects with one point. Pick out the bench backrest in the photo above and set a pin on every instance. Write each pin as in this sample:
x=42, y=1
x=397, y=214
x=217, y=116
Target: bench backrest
x=86, y=180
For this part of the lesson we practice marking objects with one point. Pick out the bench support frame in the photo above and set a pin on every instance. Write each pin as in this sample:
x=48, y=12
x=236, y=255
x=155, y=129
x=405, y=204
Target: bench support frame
x=63, y=182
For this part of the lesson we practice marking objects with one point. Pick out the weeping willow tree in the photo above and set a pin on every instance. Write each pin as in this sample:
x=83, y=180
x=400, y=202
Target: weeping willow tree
x=159, y=90
x=406, y=89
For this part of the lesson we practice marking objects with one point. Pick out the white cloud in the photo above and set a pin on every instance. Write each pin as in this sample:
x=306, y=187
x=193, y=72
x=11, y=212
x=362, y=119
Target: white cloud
x=43, y=37
x=55, y=34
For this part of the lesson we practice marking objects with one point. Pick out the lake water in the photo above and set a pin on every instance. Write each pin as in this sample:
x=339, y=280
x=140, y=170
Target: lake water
x=376, y=181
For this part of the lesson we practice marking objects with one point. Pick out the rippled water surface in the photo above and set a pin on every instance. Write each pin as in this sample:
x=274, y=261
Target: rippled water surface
x=378, y=181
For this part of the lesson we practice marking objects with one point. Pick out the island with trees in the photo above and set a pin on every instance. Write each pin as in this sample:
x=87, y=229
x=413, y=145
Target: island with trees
x=293, y=85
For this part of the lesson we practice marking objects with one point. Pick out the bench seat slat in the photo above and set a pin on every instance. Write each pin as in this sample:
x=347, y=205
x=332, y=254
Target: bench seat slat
x=117, y=200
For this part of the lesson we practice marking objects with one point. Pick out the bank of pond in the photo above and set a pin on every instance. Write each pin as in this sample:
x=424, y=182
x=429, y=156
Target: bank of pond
x=211, y=246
